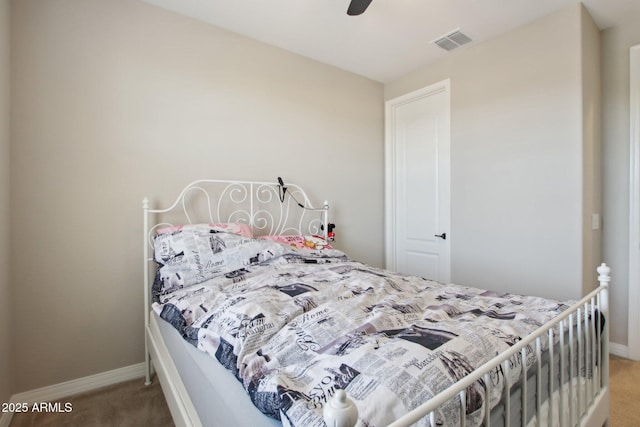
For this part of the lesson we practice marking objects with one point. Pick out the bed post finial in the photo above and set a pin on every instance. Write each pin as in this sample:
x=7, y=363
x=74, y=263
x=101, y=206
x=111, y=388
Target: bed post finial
x=603, y=274
x=340, y=411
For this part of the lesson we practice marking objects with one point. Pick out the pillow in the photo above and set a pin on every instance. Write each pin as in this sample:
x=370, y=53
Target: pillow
x=171, y=244
x=299, y=241
x=192, y=255
x=224, y=227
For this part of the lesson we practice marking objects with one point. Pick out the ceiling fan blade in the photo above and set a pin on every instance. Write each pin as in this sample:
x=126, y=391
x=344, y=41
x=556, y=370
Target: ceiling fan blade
x=357, y=7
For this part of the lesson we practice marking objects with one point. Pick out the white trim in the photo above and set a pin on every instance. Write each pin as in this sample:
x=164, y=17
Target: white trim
x=390, y=166
x=73, y=387
x=619, y=350
x=633, y=331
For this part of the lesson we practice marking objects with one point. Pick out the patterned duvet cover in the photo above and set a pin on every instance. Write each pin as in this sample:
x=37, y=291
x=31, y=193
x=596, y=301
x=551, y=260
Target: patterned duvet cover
x=294, y=325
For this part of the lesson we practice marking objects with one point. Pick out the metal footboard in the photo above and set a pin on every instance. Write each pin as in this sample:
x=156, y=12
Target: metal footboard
x=570, y=371
x=587, y=351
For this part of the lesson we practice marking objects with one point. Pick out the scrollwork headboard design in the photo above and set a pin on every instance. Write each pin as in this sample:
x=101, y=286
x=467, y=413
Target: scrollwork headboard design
x=266, y=207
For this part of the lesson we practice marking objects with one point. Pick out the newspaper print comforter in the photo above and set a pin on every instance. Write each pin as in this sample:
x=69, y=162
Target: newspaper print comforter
x=294, y=325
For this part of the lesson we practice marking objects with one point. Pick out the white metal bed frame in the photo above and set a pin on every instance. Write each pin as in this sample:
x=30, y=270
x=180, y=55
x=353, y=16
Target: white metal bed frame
x=587, y=337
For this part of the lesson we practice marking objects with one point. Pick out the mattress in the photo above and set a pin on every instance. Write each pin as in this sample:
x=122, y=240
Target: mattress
x=218, y=397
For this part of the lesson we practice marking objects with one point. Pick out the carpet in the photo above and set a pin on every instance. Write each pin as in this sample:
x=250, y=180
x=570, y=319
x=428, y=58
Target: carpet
x=128, y=404
x=624, y=381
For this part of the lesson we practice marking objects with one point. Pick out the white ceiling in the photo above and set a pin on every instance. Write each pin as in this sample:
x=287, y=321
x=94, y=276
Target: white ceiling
x=393, y=37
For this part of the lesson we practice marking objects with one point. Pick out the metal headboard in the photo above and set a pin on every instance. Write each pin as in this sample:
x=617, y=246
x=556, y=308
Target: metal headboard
x=269, y=208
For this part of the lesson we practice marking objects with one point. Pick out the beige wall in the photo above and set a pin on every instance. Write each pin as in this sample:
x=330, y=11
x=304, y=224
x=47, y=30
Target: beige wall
x=591, y=150
x=5, y=304
x=615, y=91
x=516, y=157
x=117, y=100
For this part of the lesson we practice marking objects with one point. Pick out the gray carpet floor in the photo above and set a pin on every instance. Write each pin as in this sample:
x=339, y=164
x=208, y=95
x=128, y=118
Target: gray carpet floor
x=128, y=404
x=624, y=377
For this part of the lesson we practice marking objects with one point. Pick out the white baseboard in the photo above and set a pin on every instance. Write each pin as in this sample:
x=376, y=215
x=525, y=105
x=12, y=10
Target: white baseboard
x=69, y=388
x=619, y=350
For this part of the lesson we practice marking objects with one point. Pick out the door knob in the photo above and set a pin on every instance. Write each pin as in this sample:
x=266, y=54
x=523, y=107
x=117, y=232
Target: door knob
x=443, y=236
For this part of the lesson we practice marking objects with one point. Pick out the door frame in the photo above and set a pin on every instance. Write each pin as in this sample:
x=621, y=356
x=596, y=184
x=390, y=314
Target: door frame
x=390, y=163
x=633, y=331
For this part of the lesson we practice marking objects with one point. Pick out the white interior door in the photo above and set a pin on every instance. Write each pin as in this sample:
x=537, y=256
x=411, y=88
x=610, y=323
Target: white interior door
x=418, y=231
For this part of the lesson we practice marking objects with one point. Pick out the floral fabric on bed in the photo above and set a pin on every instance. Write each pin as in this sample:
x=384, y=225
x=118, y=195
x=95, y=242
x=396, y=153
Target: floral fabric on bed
x=300, y=242
x=294, y=325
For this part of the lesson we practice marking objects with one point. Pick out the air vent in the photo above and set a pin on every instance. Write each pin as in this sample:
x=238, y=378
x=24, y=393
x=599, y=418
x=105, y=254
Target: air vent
x=452, y=40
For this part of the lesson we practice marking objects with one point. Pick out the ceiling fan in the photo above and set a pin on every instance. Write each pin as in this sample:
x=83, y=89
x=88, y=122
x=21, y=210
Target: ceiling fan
x=357, y=7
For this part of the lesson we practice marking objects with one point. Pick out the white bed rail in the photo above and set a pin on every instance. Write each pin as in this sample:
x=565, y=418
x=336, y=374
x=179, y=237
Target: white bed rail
x=588, y=400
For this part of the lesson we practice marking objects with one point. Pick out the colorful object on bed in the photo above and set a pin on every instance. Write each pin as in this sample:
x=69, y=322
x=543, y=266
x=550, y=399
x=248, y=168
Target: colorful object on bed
x=299, y=241
x=294, y=325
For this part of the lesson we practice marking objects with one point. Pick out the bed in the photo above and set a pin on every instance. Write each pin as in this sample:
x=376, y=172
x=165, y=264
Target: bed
x=252, y=318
